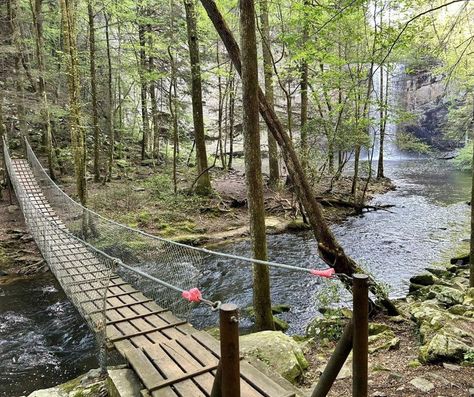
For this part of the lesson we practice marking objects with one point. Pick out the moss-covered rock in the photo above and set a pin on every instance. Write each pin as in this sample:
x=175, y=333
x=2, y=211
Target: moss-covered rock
x=424, y=279
x=282, y=353
x=384, y=340
x=328, y=327
x=91, y=384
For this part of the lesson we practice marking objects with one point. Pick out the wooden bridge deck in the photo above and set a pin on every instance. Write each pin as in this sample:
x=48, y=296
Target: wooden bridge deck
x=169, y=356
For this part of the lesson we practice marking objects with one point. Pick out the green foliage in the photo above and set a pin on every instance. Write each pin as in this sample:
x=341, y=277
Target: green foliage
x=410, y=143
x=469, y=358
x=463, y=160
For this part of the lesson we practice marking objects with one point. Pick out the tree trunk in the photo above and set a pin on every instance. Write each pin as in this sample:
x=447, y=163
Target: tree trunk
x=2, y=134
x=253, y=166
x=304, y=94
x=93, y=75
x=380, y=171
x=203, y=185
x=231, y=119
x=77, y=130
x=37, y=13
x=143, y=92
x=330, y=250
x=471, y=272
x=269, y=93
x=110, y=103
x=172, y=95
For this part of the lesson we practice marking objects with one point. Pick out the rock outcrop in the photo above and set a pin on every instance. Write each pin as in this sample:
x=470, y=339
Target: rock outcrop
x=442, y=305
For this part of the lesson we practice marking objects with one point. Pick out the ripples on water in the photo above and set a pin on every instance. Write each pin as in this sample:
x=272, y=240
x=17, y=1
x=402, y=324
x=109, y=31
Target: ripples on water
x=43, y=341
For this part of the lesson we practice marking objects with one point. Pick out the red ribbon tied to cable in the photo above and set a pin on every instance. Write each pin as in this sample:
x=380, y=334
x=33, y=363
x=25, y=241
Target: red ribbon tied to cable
x=328, y=273
x=193, y=295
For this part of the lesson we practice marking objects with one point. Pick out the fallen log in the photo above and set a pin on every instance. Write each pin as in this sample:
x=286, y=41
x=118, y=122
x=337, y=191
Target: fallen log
x=336, y=202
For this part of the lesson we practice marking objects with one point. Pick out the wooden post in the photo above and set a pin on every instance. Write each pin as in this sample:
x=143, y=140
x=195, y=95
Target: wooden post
x=337, y=360
x=360, y=346
x=227, y=380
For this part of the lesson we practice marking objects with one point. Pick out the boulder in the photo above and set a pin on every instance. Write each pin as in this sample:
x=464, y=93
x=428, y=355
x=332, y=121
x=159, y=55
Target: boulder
x=385, y=340
x=448, y=295
x=90, y=384
x=282, y=353
x=329, y=327
x=443, y=347
x=377, y=328
x=446, y=335
x=424, y=279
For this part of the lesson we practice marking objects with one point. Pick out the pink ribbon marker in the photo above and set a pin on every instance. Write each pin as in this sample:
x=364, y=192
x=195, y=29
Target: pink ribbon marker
x=328, y=273
x=193, y=295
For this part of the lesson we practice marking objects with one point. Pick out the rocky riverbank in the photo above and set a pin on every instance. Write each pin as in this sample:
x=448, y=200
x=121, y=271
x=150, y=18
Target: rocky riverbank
x=426, y=351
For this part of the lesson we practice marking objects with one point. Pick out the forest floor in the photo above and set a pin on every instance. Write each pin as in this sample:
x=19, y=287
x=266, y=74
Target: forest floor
x=143, y=197
x=19, y=255
x=391, y=372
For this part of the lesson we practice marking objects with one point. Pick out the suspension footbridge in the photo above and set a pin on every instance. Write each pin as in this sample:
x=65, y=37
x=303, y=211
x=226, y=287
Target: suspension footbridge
x=103, y=267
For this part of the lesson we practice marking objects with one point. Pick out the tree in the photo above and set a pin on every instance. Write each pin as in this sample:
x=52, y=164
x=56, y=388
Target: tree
x=253, y=166
x=93, y=77
x=68, y=14
x=329, y=249
x=274, y=176
x=203, y=185
x=37, y=13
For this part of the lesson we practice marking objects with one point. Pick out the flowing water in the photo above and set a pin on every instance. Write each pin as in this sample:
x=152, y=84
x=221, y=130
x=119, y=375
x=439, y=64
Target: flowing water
x=43, y=341
x=429, y=217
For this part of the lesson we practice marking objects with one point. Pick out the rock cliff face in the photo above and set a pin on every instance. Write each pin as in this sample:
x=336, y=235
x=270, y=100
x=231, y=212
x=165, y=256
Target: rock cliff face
x=423, y=96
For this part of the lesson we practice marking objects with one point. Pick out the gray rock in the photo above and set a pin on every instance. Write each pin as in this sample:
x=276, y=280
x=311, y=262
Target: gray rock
x=279, y=351
x=451, y=367
x=422, y=384
x=424, y=279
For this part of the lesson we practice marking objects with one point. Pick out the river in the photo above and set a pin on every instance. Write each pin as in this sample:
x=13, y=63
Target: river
x=43, y=341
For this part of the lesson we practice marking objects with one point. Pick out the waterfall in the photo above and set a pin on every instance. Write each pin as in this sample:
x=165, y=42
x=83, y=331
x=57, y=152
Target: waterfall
x=396, y=78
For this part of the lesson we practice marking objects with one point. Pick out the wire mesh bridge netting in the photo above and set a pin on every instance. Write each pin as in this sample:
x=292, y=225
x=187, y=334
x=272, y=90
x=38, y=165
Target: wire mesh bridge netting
x=176, y=265
x=160, y=268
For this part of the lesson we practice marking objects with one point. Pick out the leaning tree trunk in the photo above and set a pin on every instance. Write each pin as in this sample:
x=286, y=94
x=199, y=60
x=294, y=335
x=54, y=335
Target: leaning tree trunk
x=253, y=166
x=203, y=185
x=329, y=249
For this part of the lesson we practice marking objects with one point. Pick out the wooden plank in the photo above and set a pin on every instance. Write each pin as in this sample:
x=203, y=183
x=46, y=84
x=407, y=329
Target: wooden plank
x=259, y=381
x=144, y=368
x=191, y=363
x=171, y=370
x=143, y=332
